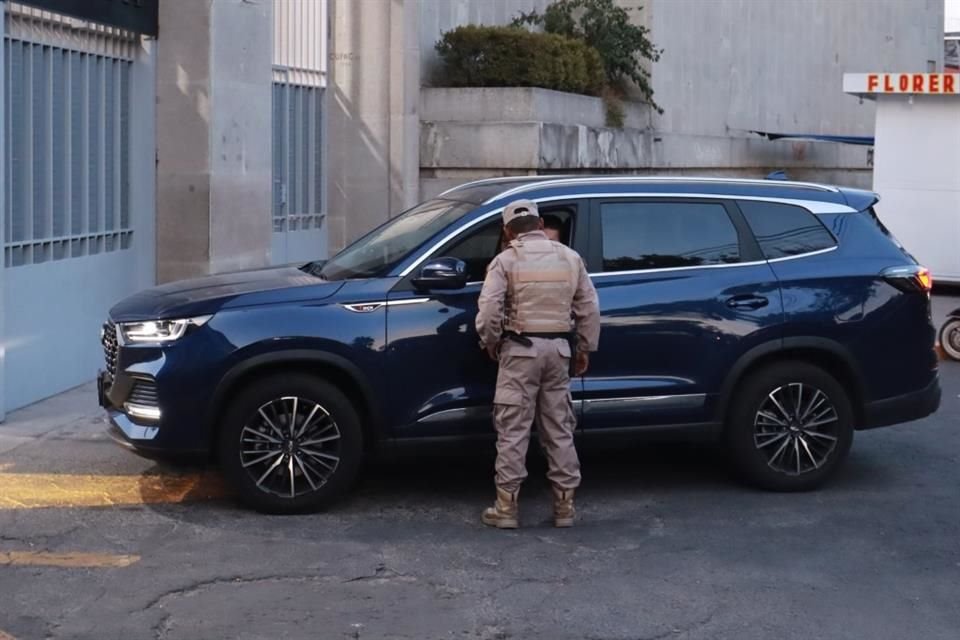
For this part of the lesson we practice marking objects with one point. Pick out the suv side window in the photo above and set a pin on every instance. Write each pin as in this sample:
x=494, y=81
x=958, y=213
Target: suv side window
x=477, y=249
x=479, y=246
x=785, y=230
x=659, y=235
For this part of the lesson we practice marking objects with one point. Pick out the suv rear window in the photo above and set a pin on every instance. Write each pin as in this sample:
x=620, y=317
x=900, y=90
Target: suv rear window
x=785, y=230
x=659, y=235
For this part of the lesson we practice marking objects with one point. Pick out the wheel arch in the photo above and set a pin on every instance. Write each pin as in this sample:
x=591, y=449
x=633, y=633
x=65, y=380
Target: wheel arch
x=829, y=355
x=335, y=369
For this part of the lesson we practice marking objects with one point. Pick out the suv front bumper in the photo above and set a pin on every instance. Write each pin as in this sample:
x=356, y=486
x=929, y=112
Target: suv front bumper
x=123, y=429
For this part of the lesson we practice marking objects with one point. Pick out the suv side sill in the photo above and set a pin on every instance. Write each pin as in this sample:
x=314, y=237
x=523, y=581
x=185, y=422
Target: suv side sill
x=700, y=431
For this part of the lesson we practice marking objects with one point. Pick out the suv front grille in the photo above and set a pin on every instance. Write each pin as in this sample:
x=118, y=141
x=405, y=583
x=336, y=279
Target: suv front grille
x=144, y=392
x=109, y=341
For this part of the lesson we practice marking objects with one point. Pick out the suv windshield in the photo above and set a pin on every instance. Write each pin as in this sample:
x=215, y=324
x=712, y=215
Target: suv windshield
x=385, y=247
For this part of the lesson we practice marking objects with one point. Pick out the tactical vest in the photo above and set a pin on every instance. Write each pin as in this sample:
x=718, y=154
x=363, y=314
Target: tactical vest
x=541, y=287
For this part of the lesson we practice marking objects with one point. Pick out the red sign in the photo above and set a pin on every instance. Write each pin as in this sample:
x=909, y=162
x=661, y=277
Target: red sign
x=927, y=83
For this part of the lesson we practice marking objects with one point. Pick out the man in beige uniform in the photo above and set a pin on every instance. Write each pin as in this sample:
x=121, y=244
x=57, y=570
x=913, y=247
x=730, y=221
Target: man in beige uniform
x=536, y=293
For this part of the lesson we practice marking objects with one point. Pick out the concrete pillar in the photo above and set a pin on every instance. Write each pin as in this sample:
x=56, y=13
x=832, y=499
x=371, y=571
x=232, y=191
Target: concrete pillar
x=3, y=200
x=213, y=136
x=374, y=129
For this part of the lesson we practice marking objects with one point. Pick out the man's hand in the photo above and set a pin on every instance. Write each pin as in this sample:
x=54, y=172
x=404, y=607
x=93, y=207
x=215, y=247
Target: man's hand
x=583, y=363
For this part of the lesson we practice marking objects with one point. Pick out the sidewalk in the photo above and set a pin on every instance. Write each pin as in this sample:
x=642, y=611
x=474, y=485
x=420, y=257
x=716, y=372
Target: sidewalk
x=74, y=414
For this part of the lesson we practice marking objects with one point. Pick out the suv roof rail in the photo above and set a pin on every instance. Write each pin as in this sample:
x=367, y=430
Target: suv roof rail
x=482, y=181
x=640, y=179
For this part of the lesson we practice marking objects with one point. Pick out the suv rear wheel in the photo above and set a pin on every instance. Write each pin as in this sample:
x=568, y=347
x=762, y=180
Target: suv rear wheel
x=790, y=428
x=290, y=444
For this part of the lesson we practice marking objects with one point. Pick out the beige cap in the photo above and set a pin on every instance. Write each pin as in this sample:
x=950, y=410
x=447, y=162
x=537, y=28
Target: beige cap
x=519, y=209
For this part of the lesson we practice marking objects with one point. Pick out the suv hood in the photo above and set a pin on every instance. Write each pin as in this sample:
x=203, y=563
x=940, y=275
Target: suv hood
x=205, y=296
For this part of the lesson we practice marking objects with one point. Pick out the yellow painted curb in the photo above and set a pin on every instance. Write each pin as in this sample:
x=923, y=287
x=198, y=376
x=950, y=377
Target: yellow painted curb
x=39, y=490
x=79, y=559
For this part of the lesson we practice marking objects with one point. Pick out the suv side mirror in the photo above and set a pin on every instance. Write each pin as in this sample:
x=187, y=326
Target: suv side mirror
x=442, y=273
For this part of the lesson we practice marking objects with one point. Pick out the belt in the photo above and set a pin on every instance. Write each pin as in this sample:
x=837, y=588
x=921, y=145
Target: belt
x=545, y=336
x=524, y=339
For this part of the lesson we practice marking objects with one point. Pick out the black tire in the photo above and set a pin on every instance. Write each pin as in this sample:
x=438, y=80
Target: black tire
x=243, y=419
x=949, y=338
x=753, y=438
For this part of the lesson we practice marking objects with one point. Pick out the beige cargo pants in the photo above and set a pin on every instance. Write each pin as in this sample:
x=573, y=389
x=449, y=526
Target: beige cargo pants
x=534, y=382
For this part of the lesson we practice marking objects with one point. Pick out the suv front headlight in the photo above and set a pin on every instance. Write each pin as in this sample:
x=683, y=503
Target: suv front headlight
x=154, y=331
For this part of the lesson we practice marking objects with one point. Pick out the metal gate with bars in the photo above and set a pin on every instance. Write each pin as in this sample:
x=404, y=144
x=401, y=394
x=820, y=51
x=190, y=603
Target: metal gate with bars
x=68, y=142
x=298, y=230
x=78, y=197
x=299, y=82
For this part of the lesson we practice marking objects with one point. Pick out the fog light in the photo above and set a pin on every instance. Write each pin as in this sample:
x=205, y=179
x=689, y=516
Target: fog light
x=142, y=411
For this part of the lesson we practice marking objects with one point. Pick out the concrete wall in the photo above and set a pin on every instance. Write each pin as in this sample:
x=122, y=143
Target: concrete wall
x=373, y=95
x=729, y=67
x=473, y=133
x=213, y=137
x=3, y=198
x=736, y=65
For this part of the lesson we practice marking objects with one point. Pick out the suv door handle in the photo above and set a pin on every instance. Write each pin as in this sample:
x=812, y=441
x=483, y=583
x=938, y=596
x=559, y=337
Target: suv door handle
x=747, y=302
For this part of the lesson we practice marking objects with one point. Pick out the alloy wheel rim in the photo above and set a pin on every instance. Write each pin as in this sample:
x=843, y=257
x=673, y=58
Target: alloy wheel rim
x=290, y=447
x=796, y=429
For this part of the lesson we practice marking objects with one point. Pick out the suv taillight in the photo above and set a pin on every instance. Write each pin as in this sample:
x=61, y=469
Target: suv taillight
x=909, y=278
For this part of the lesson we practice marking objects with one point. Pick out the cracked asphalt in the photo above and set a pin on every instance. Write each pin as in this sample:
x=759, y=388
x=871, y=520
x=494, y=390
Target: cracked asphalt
x=668, y=546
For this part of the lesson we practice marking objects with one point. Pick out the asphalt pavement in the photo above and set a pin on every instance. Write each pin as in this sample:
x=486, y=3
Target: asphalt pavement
x=97, y=543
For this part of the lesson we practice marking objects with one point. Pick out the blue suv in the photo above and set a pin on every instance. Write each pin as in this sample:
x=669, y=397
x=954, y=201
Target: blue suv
x=774, y=317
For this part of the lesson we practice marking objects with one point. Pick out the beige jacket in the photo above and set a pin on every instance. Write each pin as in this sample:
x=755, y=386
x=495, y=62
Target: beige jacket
x=496, y=293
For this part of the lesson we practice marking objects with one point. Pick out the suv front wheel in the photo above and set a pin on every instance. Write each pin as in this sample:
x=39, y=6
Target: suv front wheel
x=290, y=444
x=790, y=427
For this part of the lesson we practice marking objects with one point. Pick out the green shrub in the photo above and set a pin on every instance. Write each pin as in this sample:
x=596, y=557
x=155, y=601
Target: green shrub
x=479, y=56
x=615, y=112
x=607, y=28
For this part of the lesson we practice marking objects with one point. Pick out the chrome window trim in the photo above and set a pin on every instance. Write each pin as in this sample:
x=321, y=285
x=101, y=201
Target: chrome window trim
x=805, y=255
x=813, y=206
x=641, y=179
x=603, y=274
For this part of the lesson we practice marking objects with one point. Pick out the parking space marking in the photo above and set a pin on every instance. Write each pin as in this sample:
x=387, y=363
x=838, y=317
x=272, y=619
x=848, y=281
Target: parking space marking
x=66, y=560
x=40, y=490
